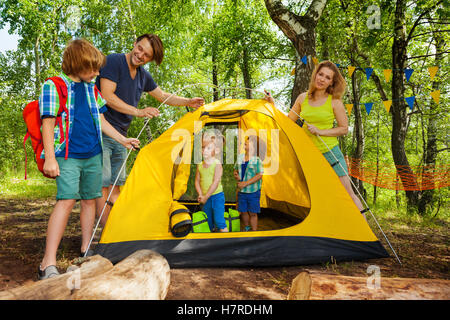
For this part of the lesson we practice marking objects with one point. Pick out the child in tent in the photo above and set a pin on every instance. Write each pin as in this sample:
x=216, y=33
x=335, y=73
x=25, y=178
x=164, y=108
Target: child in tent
x=79, y=175
x=248, y=171
x=209, y=187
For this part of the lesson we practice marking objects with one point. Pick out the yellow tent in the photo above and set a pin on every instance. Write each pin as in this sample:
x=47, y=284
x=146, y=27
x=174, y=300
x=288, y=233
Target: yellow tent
x=298, y=183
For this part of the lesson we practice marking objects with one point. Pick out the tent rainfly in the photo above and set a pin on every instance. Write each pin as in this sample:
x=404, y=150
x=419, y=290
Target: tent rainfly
x=298, y=183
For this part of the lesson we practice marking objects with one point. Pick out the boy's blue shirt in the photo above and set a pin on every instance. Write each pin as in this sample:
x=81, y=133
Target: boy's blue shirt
x=254, y=167
x=49, y=106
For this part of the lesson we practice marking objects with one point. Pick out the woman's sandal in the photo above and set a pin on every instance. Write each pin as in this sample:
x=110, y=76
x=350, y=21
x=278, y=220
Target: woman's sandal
x=47, y=273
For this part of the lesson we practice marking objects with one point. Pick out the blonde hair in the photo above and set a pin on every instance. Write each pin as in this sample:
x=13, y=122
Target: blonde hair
x=79, y=56
x=337, y=89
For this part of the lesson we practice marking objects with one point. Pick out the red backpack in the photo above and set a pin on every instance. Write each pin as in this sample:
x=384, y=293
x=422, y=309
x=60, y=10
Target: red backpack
x=32, y=118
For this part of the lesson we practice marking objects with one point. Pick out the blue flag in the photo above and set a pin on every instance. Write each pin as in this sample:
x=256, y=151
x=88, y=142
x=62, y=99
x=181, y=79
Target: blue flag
x=408, y=73
x=368, y=72
x=305, y=59
x=368, y=106
x=410, y=101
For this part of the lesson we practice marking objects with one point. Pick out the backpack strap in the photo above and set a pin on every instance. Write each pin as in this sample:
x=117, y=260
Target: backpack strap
x=61, y=88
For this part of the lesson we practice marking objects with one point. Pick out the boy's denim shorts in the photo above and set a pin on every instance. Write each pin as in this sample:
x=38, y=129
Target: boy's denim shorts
x=114, y=155
x=249, y=202
x=79, y=178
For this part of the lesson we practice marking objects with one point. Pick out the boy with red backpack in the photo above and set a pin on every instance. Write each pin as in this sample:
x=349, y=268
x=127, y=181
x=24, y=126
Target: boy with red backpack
x=73, y=144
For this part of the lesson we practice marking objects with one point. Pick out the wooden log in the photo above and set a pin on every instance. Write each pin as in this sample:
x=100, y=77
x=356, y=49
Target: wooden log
x=143, y=275
x=60, y=287
x=317, y=286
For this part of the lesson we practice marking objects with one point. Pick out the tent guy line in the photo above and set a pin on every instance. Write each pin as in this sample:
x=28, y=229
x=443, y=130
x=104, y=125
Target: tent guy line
x=355, y=188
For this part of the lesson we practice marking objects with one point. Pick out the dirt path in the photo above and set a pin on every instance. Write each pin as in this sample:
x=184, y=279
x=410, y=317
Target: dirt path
x=424, y=252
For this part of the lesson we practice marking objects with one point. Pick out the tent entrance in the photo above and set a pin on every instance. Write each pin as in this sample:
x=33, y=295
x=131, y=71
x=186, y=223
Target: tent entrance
x=275, y=214
x=268, y=219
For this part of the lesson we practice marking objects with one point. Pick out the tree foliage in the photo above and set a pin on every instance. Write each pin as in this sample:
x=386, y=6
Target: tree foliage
x=235, y=44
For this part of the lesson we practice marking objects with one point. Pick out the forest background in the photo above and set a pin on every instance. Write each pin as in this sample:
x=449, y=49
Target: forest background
x=257, y=44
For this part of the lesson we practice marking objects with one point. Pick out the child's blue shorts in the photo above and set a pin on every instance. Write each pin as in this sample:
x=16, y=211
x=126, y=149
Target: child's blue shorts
x=249, y=202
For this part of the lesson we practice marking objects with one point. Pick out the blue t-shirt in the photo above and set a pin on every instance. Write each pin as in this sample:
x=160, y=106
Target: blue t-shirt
x=127, y=89
x=243, y=168
x=83, y=141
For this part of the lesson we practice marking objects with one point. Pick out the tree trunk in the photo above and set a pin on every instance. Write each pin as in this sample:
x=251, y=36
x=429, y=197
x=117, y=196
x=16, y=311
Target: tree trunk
x=144, y=275
x=378, y=159
x=358, y=130
x=316, y=286
x=430, y=152
x=246, y=74
x=37, y=68
x=399, y=107
x=214, y=74
x=300, y=30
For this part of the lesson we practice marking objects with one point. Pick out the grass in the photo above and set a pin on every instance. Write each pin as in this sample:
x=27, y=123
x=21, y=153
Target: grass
x=35, y=187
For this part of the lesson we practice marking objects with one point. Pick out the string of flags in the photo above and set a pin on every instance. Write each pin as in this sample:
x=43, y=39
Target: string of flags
x=388, y=103
x=387, y=75
x=388, y=72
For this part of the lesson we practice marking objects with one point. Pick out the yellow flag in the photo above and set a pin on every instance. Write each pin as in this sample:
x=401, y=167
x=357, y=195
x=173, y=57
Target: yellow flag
x=433, y=71
x=387, y=74
x=349, y=108
x=387, y=105
x=351, y=69
x=315, y=60
x=435, y=95
x=293, y=72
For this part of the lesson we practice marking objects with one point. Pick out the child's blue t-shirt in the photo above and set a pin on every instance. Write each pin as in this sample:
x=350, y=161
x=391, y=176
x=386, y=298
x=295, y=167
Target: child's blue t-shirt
x=243, y=168
x=127, y=89
x=83, y=141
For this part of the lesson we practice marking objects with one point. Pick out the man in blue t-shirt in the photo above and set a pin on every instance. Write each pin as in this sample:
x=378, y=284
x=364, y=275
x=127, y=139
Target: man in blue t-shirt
x=122, y=81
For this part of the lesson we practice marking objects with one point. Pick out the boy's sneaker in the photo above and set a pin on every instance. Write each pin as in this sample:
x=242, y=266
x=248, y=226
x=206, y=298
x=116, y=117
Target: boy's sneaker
x=247, y=228
x=47, y=273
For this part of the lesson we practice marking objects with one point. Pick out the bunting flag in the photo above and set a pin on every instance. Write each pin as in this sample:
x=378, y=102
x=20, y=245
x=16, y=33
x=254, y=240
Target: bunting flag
x=435, y=95
x=387, y=74
x=387, y=105
x=410, y=101
x=351, y=69
x=368, y=106
x=305, y=59
x=368, y=72
x=349, y=107
x=433, y=71
x=408, y=73
x=293, y=72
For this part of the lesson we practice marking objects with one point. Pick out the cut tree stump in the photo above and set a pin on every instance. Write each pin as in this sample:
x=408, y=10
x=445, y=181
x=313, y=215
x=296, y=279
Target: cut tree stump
x=317, y=286
x=144, y=275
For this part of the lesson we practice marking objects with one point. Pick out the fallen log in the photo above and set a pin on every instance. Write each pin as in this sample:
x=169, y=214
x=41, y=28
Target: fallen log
x=317, y=286
x=144, y=275
x=60, y=287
